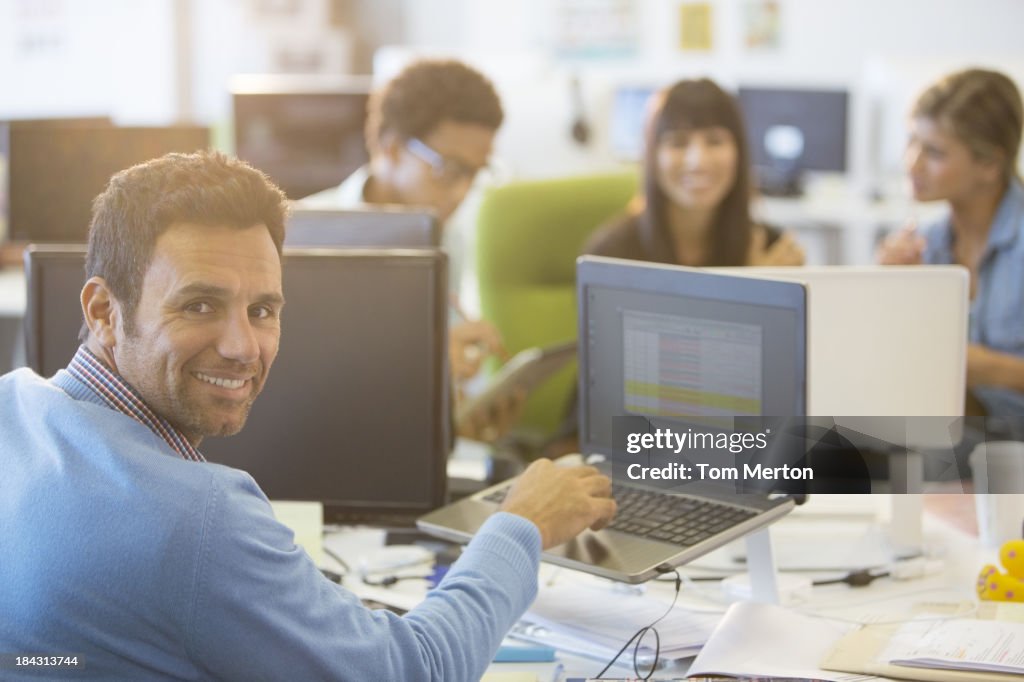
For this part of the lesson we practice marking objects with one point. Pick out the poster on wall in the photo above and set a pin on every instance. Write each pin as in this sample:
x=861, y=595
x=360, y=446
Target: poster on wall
x=761, y=23
x=695, y=27
x=596, y=28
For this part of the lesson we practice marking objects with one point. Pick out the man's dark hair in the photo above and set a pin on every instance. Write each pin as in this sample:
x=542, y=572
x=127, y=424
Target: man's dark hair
x=140, y=203
x=427, y=92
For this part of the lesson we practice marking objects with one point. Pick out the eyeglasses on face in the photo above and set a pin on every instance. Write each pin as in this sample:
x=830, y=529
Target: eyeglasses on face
x=445, y=169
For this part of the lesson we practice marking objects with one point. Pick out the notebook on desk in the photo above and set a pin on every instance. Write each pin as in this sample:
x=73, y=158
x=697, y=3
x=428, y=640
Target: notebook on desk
x=657, y=341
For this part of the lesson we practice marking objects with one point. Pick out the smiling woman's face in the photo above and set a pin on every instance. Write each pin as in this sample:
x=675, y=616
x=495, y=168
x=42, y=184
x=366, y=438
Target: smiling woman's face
x=697, y=167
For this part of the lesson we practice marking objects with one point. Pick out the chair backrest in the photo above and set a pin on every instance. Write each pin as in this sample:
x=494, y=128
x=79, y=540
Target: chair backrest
x=528, y=237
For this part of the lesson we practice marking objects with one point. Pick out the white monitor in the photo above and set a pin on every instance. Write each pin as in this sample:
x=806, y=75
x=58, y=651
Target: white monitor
x=882, y=341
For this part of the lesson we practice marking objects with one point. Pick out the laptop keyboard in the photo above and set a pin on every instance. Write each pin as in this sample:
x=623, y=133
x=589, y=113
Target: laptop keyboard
x=677, y=519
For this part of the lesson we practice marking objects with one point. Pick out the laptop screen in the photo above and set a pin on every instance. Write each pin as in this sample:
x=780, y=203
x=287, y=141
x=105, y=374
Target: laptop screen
x=681, y=344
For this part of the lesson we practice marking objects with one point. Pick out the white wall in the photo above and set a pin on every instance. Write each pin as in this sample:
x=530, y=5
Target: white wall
x=846, y=43
x=78, y=57
x=67, y=58
x=118, y=57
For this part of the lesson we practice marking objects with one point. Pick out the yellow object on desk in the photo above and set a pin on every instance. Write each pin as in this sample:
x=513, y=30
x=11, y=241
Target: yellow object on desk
x=995, y=585
x=306, y=521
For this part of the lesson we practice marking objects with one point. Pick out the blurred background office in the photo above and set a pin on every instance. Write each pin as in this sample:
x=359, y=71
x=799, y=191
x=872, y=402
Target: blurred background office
x=573, y=74
x=825, y=89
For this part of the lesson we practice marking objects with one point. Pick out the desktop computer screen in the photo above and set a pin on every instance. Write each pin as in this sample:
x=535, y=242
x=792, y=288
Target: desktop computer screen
x=673, y=343
x=55, y=274
x=380, y=227
x=628, y=118
x=355, y=411
x=794, y=130
x=56, y=170
x=307, y=136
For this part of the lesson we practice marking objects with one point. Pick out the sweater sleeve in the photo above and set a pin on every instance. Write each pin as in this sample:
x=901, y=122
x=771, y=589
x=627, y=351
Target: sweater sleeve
x=262, y=610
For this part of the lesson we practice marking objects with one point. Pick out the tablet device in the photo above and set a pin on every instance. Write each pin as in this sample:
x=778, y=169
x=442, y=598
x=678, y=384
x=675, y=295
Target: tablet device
x=525, y=371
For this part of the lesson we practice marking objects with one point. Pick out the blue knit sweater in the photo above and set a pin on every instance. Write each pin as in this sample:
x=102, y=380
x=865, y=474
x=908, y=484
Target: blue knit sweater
x=148, y=566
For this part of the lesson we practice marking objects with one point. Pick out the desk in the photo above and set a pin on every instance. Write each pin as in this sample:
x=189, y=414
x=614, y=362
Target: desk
x=838, y=226
x=963, y=558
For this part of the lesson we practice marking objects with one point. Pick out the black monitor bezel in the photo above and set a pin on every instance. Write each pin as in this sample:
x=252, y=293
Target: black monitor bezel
x=384, y=226
x=758, y=155
x=93, y=130
x=36, y=258
x=335, y=511
x=631, y=275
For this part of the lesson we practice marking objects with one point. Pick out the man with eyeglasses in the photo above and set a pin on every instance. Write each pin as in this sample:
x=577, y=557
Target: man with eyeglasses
x=430, y=132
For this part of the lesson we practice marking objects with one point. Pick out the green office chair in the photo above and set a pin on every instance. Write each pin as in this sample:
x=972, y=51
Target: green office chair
x=528, y=237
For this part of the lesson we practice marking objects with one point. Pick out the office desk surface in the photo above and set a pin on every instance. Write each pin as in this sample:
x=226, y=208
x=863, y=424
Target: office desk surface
x=961, y=553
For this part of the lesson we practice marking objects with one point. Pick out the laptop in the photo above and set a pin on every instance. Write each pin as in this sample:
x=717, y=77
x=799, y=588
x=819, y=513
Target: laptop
x=639, y=324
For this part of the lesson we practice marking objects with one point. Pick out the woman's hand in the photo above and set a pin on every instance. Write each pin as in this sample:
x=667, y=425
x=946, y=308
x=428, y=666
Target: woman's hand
x=905, y=247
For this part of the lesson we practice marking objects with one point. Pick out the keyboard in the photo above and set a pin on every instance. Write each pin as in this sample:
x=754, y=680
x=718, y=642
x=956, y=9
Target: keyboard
x=677, y=519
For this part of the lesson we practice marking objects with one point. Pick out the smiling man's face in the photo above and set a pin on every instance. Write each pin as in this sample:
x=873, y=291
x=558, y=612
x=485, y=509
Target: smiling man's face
x=206, y=329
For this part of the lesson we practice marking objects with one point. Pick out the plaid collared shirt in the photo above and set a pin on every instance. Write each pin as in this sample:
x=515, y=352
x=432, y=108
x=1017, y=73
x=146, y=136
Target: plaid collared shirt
x=117, y=394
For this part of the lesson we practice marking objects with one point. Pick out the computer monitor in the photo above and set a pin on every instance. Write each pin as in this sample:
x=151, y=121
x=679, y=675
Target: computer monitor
x=673, y=343
x=55, y=274
x=305, y=133
x=628, y=117
x=354, y=413
x=793, y=130
x=379, y=227
x=5, y=149
x=882, y=340
x=55, y=172
x=884, y=344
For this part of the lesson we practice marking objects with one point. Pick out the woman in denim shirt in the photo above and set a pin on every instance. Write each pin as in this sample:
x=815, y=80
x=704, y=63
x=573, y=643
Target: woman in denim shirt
x=964, y=139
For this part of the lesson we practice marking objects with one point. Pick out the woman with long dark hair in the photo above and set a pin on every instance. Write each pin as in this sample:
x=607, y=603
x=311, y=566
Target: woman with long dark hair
x=695, y=208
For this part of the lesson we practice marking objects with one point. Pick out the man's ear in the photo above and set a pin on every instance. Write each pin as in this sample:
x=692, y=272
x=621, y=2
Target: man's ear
x=101, y=311
x=388, y=148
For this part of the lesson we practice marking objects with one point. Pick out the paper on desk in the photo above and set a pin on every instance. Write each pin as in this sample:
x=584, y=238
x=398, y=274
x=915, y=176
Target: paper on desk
x=961, y=644
x=763, y=640
x=598, y=616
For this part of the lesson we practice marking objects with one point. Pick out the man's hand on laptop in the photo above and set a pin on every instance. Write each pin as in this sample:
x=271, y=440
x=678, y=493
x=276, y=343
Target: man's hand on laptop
x=561, y=501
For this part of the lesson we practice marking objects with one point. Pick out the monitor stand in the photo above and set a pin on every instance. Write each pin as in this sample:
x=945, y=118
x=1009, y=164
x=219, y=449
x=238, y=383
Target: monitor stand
x=906, y=476
x=763, y=583
x=780, y=182
x=764, y=576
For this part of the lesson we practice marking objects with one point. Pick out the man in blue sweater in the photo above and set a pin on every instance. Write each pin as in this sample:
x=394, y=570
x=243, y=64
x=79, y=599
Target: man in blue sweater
x=123, y=548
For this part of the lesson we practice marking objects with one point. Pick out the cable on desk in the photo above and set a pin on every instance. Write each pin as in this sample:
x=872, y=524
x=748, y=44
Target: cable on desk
x=435, y=576
x=389, y=580
x=861, y=578
x=639, y=635
x=337, y=557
